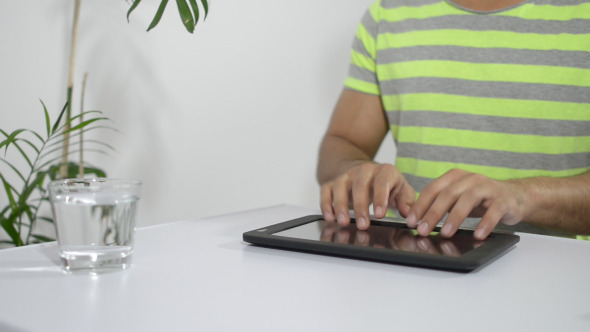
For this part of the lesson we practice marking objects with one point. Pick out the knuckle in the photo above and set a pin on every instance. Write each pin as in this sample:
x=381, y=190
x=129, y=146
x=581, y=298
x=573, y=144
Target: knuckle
x=474, y=192
x=326, y=187
x=367, y=167
x=340, y=182
x=455, y=171
x=343, y=177
x=450, y=192
x=389, y=168
x=478, y=178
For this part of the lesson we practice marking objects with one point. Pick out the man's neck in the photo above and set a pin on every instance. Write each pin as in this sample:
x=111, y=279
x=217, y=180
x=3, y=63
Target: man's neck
x=486, y=5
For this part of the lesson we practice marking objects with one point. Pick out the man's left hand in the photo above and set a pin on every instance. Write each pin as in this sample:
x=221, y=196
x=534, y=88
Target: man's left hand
x=464, y=194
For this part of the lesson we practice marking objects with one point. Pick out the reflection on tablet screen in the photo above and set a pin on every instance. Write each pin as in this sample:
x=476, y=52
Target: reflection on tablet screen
x=385, y=237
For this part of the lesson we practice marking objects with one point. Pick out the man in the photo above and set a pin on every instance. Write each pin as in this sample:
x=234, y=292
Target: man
x=489, y=104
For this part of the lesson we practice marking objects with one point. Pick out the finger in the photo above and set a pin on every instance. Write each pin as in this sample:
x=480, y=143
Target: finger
x=385, y=187
x=326, y=202
x=444, y=200
x=381, y=189
x=466, y=203
x=361, y=197
x=405, y=199
x=429, y=194
x=341, y=188
x=435, y=213
x=489, y=220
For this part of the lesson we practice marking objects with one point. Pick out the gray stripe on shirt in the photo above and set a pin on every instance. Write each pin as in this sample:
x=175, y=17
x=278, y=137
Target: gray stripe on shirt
x=486, y=23
x=497, y=124
x=557, y=58
x=390, y=4
x=510, y=90
x=514, y=160
x=362, y=74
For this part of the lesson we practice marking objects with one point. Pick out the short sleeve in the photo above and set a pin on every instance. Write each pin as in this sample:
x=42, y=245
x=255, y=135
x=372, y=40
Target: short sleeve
x=362, y=74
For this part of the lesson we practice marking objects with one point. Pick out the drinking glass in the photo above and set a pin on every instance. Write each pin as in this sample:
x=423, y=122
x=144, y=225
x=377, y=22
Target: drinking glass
x=95, y=222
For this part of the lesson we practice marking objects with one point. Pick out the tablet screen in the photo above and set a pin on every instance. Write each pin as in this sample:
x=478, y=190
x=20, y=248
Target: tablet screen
x=386, y=237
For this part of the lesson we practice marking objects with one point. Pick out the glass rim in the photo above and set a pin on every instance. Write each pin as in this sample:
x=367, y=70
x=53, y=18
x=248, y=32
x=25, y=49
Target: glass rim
x=95, y=180
x=93, y=184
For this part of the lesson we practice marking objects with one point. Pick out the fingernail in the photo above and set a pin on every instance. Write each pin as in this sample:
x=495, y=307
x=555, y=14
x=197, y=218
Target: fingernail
x=341, y=219
x=480, y=233
x=379, y=211
x=328, y=216
x=362, y=223
x=447, y=230
x=423, y=229
x=411, y=220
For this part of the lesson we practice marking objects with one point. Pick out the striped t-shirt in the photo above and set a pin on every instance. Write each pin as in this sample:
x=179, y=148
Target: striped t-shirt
x=505, y=94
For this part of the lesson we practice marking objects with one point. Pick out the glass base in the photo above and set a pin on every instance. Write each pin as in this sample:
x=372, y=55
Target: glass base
x=95, y=261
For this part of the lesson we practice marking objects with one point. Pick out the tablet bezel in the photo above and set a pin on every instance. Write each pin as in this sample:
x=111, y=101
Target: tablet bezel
x=493, y=246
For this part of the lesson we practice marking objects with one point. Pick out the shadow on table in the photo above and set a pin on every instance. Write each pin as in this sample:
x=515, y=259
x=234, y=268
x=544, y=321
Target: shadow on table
x=6, y=327
x=584, y=317
x=251, y=250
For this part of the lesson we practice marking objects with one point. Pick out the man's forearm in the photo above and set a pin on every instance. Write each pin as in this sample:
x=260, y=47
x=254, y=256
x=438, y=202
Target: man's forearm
x=558, y=203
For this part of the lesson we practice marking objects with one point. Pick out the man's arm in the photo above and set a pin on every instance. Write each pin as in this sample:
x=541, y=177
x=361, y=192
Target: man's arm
x=557, y=203
x=346, y=170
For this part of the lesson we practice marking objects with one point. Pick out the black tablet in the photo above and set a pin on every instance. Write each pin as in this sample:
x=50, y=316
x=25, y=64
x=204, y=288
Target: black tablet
x=388, y=241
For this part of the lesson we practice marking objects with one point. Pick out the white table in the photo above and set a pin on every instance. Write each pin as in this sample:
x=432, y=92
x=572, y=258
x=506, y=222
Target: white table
x=199, y=276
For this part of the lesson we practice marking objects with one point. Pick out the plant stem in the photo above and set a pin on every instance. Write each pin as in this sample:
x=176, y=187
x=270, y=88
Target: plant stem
x=66, y=143
x=81, y=166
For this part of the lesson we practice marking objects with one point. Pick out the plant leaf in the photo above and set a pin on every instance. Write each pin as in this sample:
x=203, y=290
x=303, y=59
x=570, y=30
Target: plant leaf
x=205, y=7
x=83, y=124
x=88, y=113
x=73, y=169
x=23, y=153
x=133, y=6
x=4, y=142
x=47, y=120
x=56, y=124
x=96, y=171
x=9, y=189
x=29, y=143
x=185, y=15
x=28, y=190
x=195, y=8
x=159, y=14
x=47, y=219
x=11, y=231
x=42, y=238
x=18, y=173
x=10, y=139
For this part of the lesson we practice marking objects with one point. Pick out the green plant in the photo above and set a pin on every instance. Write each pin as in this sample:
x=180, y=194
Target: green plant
x=41, y=155
x=189, y=12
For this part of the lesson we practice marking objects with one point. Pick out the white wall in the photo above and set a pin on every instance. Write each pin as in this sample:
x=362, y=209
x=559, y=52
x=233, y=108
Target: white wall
x=227, y=119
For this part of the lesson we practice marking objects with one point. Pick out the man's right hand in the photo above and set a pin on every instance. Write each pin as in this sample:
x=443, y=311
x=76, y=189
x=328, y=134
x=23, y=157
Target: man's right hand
x=363, y=184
